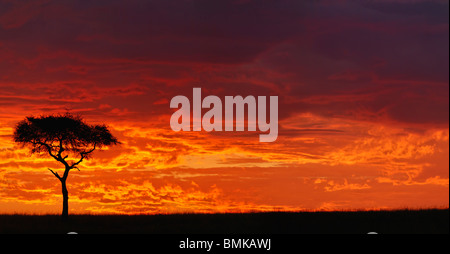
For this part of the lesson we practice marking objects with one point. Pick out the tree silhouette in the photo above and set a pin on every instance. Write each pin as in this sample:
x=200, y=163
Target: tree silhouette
x=61, y=136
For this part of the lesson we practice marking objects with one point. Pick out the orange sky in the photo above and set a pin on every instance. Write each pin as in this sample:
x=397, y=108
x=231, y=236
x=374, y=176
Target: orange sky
x=363, y=93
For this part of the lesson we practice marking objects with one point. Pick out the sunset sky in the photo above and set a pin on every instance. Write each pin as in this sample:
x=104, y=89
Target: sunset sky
x=363, y=91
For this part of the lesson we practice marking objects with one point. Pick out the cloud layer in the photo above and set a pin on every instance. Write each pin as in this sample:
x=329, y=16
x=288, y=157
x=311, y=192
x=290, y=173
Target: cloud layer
x=363, y=103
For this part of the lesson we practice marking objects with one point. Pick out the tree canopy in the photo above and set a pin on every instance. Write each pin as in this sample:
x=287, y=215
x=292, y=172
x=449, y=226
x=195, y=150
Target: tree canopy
x=56, y=134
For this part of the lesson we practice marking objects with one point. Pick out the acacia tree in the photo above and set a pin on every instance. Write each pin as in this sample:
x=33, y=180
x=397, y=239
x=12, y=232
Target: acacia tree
x=66, y=138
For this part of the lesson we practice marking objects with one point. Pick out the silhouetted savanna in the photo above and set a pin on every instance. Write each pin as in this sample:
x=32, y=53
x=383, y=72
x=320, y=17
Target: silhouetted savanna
x=359, y=222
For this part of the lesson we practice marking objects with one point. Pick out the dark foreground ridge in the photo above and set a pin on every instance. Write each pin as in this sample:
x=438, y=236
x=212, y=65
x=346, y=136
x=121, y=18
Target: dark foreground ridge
x=434, y=221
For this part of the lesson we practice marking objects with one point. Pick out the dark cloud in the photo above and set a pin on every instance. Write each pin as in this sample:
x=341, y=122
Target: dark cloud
x=326, y=57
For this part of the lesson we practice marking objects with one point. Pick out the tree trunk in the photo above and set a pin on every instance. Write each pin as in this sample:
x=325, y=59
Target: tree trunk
x=65, y=193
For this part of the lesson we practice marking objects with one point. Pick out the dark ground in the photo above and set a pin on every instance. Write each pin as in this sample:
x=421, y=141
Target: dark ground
x=434, y=221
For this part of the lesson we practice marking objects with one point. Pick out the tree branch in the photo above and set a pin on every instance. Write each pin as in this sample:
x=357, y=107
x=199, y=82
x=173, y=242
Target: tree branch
x=61, y=149
x=55, y=174
x=83, y=155
x=49, y=150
